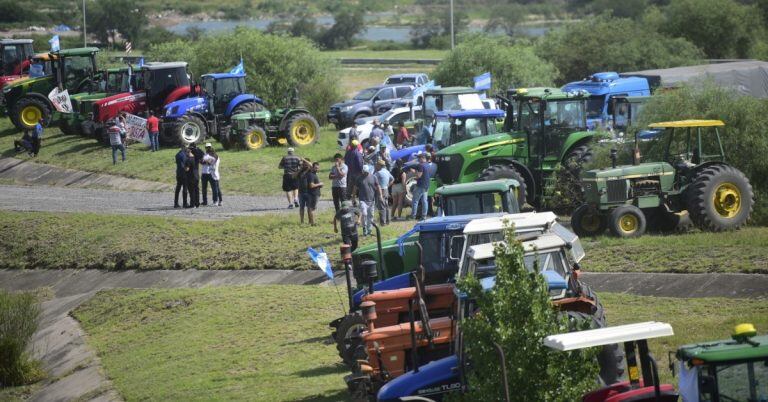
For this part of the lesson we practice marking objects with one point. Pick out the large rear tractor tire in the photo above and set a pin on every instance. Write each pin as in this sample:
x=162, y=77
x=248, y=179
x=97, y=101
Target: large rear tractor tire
x=254, y=138
x=588, y=221
x=248, y=107
x=67, y=128
x=348, y=337
x=224, y=139
x=302, y=130
x=191, y=129
x=28, y=111
x=496, y=172
x=627, y=221
x=720, y=198
x=568, y=187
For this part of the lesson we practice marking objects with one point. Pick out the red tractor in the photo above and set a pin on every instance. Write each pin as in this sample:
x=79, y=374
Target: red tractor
x=15, y=55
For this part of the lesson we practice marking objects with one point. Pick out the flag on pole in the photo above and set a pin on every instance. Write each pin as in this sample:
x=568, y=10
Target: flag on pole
x=238, y=69
x=483, y=81
x=54, y=43
x=141, y=62
x=320, y=258
x=128, y=48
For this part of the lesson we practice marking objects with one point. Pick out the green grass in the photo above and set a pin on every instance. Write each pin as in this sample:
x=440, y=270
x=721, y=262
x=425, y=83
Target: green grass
x=82, y=240
x=270, y=342
x=364, y=76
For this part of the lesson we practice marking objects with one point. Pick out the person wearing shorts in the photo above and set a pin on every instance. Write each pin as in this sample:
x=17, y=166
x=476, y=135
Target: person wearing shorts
x=398, y=190
x=291, y=165
x=309, y=189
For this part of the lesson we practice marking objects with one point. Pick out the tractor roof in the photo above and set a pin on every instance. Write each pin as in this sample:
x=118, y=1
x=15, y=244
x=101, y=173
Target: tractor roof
x=473, y=113
x=528, y=220
x=501, y=185
x=44, y=56
x=725, y=350
x=4, y=42
x=160, y=65
x=78, y=51
x=544, y=242
x=548, y=93
x=218, y=76
x=450, y=91
x=608, y=336
x=688, y=123
x=608, y=83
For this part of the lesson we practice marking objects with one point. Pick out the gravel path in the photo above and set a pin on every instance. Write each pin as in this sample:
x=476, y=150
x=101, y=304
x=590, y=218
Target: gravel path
x=66, y=199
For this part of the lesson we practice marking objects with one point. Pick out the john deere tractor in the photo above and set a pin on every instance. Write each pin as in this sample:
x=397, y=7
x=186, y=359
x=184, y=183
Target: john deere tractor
x=254, y=130
x=544, y=129
x=27, y=101
x=685, y=180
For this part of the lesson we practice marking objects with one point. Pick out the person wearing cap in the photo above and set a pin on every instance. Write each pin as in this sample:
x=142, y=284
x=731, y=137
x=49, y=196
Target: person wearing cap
x=349, y=217
x=353, y=158
x=403, y=138
x=384, y=180
x=338, y=177
x=371, y=157
x=211, y=175
x=366, y=195
x=291, y=165
x=385, y=156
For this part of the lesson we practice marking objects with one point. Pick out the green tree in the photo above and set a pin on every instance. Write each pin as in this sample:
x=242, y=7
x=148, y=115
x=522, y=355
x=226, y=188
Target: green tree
x=347, y=23
x=107, y=18
x=612, y=44
x=509, y=65
x=433, y=28
x=505, y=17
x=517, y=314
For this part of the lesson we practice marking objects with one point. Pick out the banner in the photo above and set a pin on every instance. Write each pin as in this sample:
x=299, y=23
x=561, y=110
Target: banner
x=483, y=82
x=136, y=129
x=60, y=100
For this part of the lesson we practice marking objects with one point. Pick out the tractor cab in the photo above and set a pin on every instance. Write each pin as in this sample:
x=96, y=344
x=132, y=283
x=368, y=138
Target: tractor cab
x=484, y=197
x=454, y=126
x=41, y=65
x=75, y=69
x=14, y=56
x=625, y=110
x=728, y=370
x=683, y=144
x=124, y=79
x=221, y=89
x=450, y=98
x=163, y=83
x=603, y=88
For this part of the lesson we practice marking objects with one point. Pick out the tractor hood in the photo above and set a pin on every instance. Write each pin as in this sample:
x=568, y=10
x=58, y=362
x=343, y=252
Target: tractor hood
x=485, y=143
x=26, y=82
x=643, y=169
x=433, y=378
x=181, y=107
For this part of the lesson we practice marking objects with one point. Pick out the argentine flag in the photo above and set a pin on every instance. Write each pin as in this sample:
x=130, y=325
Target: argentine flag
x=238, y=69
x=321, y=260
x=483, y=81
x=54, y=43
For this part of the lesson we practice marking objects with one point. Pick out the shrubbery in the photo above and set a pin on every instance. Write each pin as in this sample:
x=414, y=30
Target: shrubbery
x=19, y=313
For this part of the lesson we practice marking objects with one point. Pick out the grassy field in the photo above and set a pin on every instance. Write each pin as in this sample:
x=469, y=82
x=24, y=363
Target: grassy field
x=83, y=240
x=364, y=76
x=235, y=344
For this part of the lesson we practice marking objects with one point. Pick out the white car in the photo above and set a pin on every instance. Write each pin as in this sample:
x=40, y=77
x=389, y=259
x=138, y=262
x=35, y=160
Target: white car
x=393, y=117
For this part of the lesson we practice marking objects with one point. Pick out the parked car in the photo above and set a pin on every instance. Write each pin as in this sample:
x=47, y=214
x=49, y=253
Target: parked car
x=366, y=103
x=365, y=125
x=416, y=79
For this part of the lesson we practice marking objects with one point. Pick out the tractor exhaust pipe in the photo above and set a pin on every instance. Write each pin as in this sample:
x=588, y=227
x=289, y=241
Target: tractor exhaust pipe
x=378, y=249
x=346, y=257
x=614, y=155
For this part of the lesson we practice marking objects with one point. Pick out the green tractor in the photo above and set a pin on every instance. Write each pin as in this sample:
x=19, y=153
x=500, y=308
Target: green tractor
x=684, y=182
x=254, y=130
x=27, y=101
x=544, y=129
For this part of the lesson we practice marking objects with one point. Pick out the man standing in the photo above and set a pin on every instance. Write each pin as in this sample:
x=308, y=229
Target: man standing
x=353, y=134
x=192, y=174
x=349, y=217
x=421, y=190
x=376, y=132
x=385, y=156
x=116, y=141
x=338, y=176
x=354, y=161
x=194, y=192
x=153, y=130
x=291, y=165
x=37, y=137
x=384, y=179
x=432, y=170
x=311, y=194
x=207, y=174
x=181, y=181
x=366, y=194
x=403, y=138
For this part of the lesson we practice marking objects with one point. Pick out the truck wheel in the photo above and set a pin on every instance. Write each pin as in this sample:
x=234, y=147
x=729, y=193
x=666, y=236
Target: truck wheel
x=191, y=129
x=254, y=138
x=348, y=337
x=627, y=221
x=496, y=172
x=248, y=107
x=720, y=198
x=588, y=221
x=28, y=111
x=302, y=129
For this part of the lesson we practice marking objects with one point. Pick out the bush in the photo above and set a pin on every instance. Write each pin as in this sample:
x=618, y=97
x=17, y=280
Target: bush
x=19, y=313
x=509, y=65
x=516, y=315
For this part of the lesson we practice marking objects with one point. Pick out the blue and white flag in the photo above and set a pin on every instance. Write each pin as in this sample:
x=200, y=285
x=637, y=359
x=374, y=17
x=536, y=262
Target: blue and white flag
x=238, y=69
x=321, y=260
x=141, y=62
x=54, y=43
x=483, y=82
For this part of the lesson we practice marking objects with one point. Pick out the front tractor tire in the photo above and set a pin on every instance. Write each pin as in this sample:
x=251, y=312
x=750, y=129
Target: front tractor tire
x=254, y=138
x=303, y=129
x=191, y=129
x=627, y=221
x=588, y=221
x=720, y=198
x=348, y=337
x=28, y=111
x=248, y=107
x=496, y=172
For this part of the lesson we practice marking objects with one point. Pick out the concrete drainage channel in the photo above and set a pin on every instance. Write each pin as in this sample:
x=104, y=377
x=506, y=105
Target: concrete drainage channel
x=75, y=371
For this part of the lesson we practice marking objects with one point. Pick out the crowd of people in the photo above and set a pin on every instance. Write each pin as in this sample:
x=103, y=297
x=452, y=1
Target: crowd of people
x=190, y=163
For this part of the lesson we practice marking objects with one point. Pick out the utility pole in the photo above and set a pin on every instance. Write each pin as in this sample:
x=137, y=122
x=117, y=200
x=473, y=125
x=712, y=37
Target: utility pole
x=452, y=38
x=85, y=36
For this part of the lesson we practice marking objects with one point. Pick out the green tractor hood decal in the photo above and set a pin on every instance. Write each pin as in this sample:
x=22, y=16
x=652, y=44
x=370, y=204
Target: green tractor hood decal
x=261, y=115
x=28, y=82
x=630, y=171
x=480, y=144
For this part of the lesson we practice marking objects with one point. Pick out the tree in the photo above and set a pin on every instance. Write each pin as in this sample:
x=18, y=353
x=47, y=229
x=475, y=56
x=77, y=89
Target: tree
x=347, y=23
x=604, y=43
x=505, y=17
x=517, y=314
x=433, y=28
x=107, y=18
x=509, y=65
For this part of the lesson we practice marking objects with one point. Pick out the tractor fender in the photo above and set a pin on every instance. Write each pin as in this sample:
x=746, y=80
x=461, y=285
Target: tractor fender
x=176, y=109
x=708, y=164
x=239, y=100
x=530, y=182
x=288, y=115
x=40, y=97
x=575, y=140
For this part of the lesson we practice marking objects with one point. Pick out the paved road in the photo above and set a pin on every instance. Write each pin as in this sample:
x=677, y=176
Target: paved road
x=65, y=199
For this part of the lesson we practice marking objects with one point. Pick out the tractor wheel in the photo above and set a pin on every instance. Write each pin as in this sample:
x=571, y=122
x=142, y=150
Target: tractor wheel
x=191, y=129
x=410, y=183
x=720, y=198
x=496, y=172
x=28, y=111
x=254, y=138
x=67, y=128
x=248, y=107
x=568, y=186
x=611, y=357
x=302, y=130
x=88, y=128
x=588, y=221
x=627, y=221
x=348, y=337
x=224, y=137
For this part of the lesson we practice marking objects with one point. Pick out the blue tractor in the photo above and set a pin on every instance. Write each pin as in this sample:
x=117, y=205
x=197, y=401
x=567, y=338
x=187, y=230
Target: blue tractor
x=223, y=96
x=602, y=88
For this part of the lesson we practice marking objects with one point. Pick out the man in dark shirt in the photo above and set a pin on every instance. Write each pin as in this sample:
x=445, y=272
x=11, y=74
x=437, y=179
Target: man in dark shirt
x=349, y=217
x=181, y=181
x=353, y=158
x=421, y=190
x=309, y=193
x=291, y=164
x=366, y=194
x=194, y=191
x=192, y=174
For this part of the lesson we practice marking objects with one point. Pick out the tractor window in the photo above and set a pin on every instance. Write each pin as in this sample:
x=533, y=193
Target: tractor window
x=529, y=116
x=161, y=82
x=477, y=203
x=226, y=90
x=740, y=382
x=547, y=261
x=595, y=105
x=11, y=59
x=116, y=82
x=442, y=135
x=76, y=69
x=208, y=86
x=565, y=114
x=710, y=148
x=471, y=128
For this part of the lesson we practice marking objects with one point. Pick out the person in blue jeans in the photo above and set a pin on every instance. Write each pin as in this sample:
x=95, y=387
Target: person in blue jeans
x=421, y=189
x=116, y=141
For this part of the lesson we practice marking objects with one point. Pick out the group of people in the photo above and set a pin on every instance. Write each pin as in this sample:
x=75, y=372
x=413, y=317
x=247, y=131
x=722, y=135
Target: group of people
x=190, y=163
